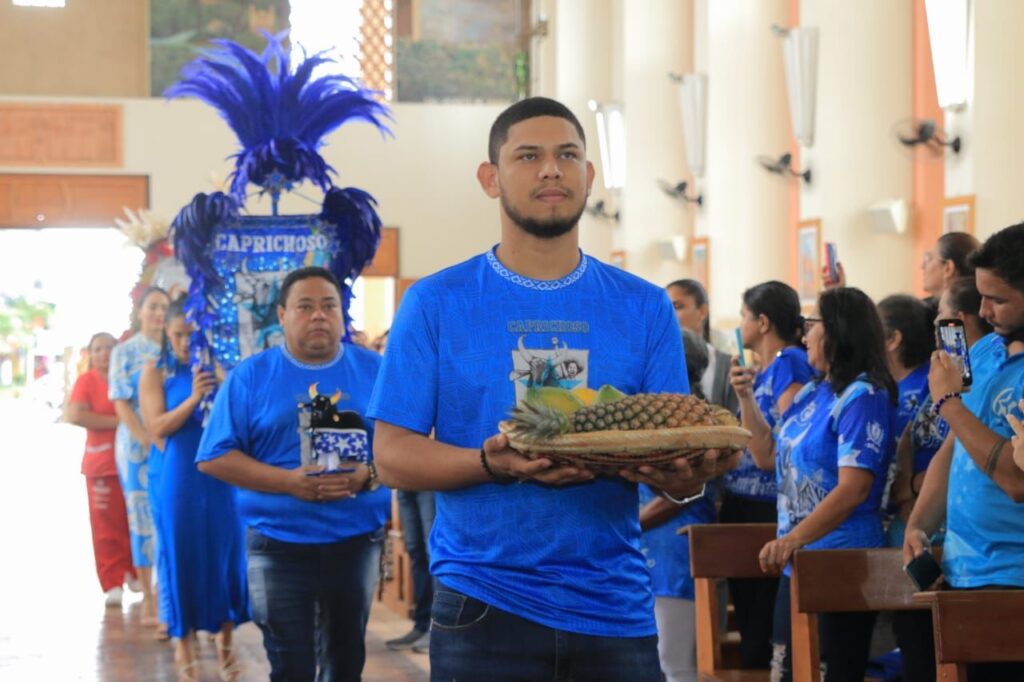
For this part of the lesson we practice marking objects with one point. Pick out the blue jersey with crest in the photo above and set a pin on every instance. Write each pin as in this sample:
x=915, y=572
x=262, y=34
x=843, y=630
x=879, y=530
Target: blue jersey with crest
x=823, y=432
x=789, y=367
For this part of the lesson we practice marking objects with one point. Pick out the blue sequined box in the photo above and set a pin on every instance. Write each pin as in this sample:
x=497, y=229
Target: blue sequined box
x=335, y=448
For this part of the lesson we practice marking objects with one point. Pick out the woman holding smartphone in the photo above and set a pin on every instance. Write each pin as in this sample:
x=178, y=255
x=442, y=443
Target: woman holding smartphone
x=201, y=557
x=771, y=327
x=832, y=455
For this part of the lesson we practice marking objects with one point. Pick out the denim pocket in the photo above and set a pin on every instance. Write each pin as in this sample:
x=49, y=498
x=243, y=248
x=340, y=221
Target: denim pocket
x=455, y=611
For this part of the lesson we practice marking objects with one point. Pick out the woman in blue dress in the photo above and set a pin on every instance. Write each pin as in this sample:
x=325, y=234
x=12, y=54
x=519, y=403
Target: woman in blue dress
x=201, y=553
x=771, y=327
x=131, y=446
x=831, y=459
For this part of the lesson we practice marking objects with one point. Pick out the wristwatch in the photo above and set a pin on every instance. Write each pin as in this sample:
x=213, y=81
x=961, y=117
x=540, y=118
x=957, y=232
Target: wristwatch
x=373, y=482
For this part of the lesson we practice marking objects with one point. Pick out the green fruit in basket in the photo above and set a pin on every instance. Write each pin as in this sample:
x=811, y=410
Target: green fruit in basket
x=629, y=413
x=559, y=399
x=608, y=394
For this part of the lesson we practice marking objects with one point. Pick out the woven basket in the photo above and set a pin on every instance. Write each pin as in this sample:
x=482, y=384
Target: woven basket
x=612, y=451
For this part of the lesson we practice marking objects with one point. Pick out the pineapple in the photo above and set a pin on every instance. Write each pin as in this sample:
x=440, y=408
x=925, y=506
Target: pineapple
x=537, y=421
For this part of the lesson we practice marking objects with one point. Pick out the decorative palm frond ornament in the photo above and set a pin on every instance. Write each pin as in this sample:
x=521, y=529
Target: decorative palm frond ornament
x=281, y=114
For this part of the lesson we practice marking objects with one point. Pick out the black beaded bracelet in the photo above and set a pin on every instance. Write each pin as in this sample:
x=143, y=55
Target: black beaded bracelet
x=490, y=472
x=937, y=405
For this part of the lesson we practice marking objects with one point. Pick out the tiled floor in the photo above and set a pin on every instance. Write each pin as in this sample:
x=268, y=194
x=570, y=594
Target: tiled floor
x=52, y=622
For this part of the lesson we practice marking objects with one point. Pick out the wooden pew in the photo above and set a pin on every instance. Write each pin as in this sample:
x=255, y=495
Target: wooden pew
x=833, y=580
x=722, y=551
x=977, y=626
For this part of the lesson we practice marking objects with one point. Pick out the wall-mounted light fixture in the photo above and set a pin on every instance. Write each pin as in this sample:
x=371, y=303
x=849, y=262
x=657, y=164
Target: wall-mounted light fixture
x=678, y=191
x=693, y=107
x=611, y=138
x=948, y=22
x=800, y=56
x=912, y=133
x=599, y=210
x=783, y=166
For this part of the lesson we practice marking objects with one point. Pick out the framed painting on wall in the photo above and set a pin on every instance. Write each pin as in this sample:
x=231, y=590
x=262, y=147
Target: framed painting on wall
x=808, y=259
x=958, y=214
x=700, y=261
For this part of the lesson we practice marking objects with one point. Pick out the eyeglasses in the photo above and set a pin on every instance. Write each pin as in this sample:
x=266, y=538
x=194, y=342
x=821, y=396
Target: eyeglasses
x=809, y=322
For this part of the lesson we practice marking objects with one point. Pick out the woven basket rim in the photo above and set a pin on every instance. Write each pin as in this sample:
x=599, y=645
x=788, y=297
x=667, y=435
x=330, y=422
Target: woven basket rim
x=646, y=441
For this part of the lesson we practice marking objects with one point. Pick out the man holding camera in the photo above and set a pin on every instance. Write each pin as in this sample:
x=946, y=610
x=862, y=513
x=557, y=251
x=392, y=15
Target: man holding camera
x=973, y=483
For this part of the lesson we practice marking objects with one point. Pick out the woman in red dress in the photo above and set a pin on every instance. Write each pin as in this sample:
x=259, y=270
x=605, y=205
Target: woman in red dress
x=90, y=408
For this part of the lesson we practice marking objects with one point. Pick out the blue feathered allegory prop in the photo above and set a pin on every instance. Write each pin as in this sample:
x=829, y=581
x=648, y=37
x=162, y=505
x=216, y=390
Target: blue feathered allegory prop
x=237, y=261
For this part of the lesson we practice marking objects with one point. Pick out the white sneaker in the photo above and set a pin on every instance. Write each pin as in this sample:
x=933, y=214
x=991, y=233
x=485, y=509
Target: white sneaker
x=113, y=598
x=133, y=583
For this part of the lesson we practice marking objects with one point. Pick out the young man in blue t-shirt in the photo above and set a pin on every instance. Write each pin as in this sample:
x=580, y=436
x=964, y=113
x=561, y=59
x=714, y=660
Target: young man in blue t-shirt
x=973, y=483
x=313, y=543
x=544, y=579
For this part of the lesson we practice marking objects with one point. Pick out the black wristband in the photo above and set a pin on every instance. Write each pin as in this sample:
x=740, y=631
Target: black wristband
x=490, y=472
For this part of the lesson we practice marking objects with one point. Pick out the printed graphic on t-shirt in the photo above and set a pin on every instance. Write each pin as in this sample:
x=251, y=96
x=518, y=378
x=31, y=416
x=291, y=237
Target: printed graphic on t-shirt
x=557, y=365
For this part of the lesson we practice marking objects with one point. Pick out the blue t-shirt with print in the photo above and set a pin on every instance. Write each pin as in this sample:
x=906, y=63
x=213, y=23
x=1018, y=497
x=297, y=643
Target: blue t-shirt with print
x=984, y=526
x=822, y=432
x=789, y=367
x=256, y=411
x=465, y=346
x=667, y=553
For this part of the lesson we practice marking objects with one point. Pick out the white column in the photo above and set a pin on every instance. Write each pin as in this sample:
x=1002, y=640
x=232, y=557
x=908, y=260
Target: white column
x=745, y=215
x=657, y=39
x=862, y=93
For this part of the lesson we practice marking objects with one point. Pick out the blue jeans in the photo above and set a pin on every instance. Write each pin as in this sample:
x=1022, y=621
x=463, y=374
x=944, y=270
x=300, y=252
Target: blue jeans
x=312, y=602
x=471, y=641
x=416, y=510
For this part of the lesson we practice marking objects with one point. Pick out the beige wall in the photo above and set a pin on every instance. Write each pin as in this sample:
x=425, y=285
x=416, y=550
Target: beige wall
x=864, y=88
x=88, y=48
x=424, y=178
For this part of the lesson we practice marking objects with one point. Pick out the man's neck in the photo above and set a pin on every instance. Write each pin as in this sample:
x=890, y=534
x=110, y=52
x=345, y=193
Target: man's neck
x=298, y=356
x=537, y=258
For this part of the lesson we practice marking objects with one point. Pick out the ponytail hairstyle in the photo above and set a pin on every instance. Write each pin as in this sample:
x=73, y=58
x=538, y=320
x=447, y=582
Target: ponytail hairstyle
x=956, y=247
x=699, y=294
x=916, y=325
x=854, y=340
x=781, y=305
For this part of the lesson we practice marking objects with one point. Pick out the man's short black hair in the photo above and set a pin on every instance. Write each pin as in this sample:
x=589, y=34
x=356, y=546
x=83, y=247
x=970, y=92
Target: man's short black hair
x=531, y=107
x=305, y=273
x=1003, y=254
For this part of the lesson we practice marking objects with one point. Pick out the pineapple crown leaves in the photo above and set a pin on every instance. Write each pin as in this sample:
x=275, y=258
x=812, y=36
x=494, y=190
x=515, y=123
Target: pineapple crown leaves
x=537, y=421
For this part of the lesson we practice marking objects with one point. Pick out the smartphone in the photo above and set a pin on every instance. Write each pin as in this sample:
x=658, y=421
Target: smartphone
x=739, y=348
x=831, y=262
x=924, y=570
x=953, y=339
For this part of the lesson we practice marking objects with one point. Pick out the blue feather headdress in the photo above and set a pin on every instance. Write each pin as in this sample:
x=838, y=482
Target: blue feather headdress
x=280, y=115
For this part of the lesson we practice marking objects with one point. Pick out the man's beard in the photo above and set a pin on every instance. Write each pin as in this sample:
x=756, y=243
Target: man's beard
x=548, y=228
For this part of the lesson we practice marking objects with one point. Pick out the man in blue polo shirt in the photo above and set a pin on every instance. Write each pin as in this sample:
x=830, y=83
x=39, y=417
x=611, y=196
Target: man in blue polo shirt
x=973, y=483
x=313, y=543
x=542, y=580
